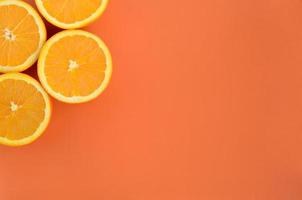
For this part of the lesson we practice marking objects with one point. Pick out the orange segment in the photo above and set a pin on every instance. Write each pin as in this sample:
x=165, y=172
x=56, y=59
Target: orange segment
x=71, y=14
x=24, y=109
x=75, y=66
x=22, y=34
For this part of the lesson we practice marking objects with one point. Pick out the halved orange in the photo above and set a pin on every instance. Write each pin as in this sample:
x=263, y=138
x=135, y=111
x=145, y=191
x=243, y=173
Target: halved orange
x=25, y=109
x=75, y=66
x=71, y=14
x=22, y=34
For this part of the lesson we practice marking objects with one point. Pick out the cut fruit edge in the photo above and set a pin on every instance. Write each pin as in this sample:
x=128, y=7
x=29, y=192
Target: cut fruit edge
x=78, y=24
x=48, y=109
x=42, y=32
x=74, y=99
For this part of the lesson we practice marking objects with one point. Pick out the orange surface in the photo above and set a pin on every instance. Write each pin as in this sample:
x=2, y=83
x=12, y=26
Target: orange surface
x=71, y=15
x=88, y=72
x=205, y=104
x=25, y=109
x=22, y=36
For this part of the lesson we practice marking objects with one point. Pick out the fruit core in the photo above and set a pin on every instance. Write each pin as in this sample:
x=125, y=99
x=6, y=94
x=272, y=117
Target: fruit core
x=72, y=65
x=13, y=106
x=8, y=35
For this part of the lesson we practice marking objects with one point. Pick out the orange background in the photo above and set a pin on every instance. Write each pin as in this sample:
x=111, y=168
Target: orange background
x=205, y=104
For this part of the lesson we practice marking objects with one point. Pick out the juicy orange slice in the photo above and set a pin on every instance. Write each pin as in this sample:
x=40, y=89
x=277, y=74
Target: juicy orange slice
x=75, y=66
x=25, y=109
x=71, y=14
x=22, y=34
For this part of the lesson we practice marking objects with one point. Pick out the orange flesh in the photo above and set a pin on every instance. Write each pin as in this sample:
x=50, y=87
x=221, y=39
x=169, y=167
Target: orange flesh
x=17, y=20
x=70, y=11
x=22, y=109
x=88, y=60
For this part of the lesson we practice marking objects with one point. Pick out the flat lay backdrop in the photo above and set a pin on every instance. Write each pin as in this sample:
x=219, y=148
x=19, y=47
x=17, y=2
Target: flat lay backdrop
x=205, y=104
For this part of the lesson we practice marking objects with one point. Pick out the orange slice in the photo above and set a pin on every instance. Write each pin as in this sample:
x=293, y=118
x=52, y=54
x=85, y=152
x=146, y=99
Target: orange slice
x=22, y=34
x=25, y=109
x=75, y=66
x=71, y=14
